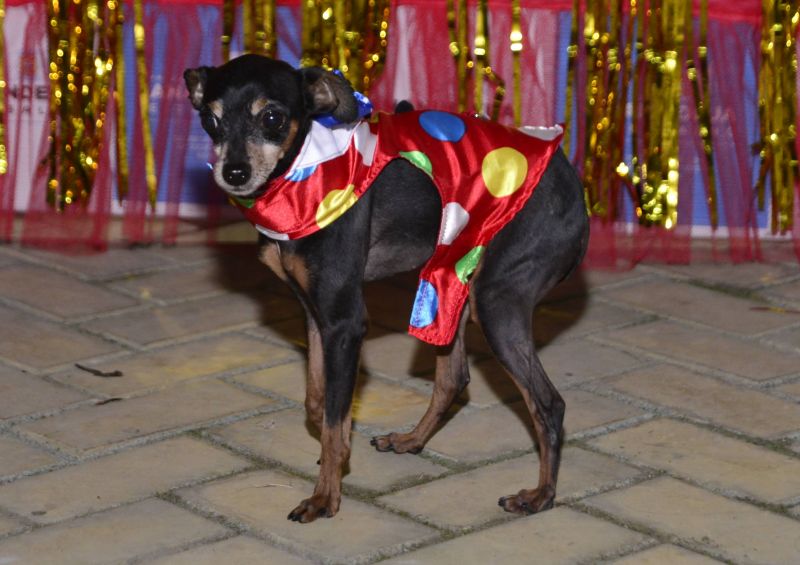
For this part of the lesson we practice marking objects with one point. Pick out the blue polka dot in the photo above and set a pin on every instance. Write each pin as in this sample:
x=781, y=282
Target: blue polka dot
x=301, y=174
x=426, y=304
x=442, y=126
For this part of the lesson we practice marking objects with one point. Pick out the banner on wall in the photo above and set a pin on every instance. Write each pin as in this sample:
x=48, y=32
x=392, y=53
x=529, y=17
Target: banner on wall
x=27, y=95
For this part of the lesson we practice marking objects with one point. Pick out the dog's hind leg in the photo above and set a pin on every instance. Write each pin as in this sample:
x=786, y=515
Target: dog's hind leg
x=506, y=323
x=537, y=249
x=452, y=375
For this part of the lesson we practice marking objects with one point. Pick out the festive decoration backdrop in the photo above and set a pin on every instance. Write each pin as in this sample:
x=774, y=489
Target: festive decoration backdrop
x=682, y=116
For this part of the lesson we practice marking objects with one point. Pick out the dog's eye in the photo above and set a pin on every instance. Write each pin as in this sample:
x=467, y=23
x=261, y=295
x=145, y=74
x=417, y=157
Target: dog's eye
x=210, y=122
x=273, y=120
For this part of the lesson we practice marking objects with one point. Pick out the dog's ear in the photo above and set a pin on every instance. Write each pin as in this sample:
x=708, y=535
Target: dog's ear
x=327, y=92
x=196, y=83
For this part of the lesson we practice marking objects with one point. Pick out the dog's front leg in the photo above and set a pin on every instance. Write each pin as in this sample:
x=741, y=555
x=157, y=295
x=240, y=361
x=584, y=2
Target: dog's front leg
x=340, y=322
x=341, y=344
x=293, y=271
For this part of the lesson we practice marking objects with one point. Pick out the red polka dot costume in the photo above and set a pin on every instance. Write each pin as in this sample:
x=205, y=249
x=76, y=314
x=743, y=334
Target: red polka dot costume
x=485, y=172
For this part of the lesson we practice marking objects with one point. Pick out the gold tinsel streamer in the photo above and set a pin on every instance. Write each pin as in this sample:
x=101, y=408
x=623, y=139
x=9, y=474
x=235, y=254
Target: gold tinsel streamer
x=661, y=31
x=3, y=150
x=515, y=38
x=656, y=173
x=119, y=97
x=482, y=65
x=459, y=48
x=350, y=36
x=777, y=108
x=572, y=64
x=228, y=19
x=144, y=102
x=82, y=47
x=605, y=104
x=265, y=34
x=703, y=103
x=479, y=63
x=259, y=27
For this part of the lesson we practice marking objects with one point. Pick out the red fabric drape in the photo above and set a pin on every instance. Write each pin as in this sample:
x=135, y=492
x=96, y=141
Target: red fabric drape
x=420, y=68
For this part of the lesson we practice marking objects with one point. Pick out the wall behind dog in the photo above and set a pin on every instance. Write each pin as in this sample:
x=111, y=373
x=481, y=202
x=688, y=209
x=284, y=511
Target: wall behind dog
x=419, y=68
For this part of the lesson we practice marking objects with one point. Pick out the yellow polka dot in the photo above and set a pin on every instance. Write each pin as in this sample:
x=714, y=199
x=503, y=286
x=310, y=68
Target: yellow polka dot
x=335, y=203
x=504, y=170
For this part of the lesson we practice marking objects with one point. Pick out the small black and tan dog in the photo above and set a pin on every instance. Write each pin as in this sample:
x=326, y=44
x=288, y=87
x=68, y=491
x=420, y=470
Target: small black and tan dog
x=258, y=112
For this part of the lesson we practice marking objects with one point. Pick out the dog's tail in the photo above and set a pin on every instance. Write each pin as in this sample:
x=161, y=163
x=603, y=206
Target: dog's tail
x=403, y=106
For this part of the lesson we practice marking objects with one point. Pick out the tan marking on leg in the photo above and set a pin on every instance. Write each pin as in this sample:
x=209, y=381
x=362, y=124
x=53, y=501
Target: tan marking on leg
x=546, y=476
x=530, y=501
x=296, y=268
x=270, y=255
x=335, y=454
x=291, y=266
x=328, y=491
x=315, y=377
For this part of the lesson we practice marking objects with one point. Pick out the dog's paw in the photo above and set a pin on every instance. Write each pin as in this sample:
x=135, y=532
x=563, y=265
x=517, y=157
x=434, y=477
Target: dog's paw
x=399, y=443
x=529, y=501
x=318, y=506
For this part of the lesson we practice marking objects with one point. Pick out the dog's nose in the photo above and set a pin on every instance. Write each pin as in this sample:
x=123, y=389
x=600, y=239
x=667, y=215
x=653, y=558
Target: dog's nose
x=236, y=174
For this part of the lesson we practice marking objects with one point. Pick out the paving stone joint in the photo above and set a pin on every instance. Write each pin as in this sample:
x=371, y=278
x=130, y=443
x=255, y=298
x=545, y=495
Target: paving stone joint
x=682, y=386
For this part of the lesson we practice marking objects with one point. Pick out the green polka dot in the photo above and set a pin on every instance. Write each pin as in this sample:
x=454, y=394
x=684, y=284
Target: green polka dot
x=243, y=202
x=468, y=263
x=419, y=160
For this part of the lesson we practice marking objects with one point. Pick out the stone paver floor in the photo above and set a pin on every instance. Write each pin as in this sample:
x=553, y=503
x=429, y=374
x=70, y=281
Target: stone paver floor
x=151, y=412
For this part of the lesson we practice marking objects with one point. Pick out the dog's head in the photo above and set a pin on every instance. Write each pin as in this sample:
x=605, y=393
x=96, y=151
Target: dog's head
x=258, y=110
